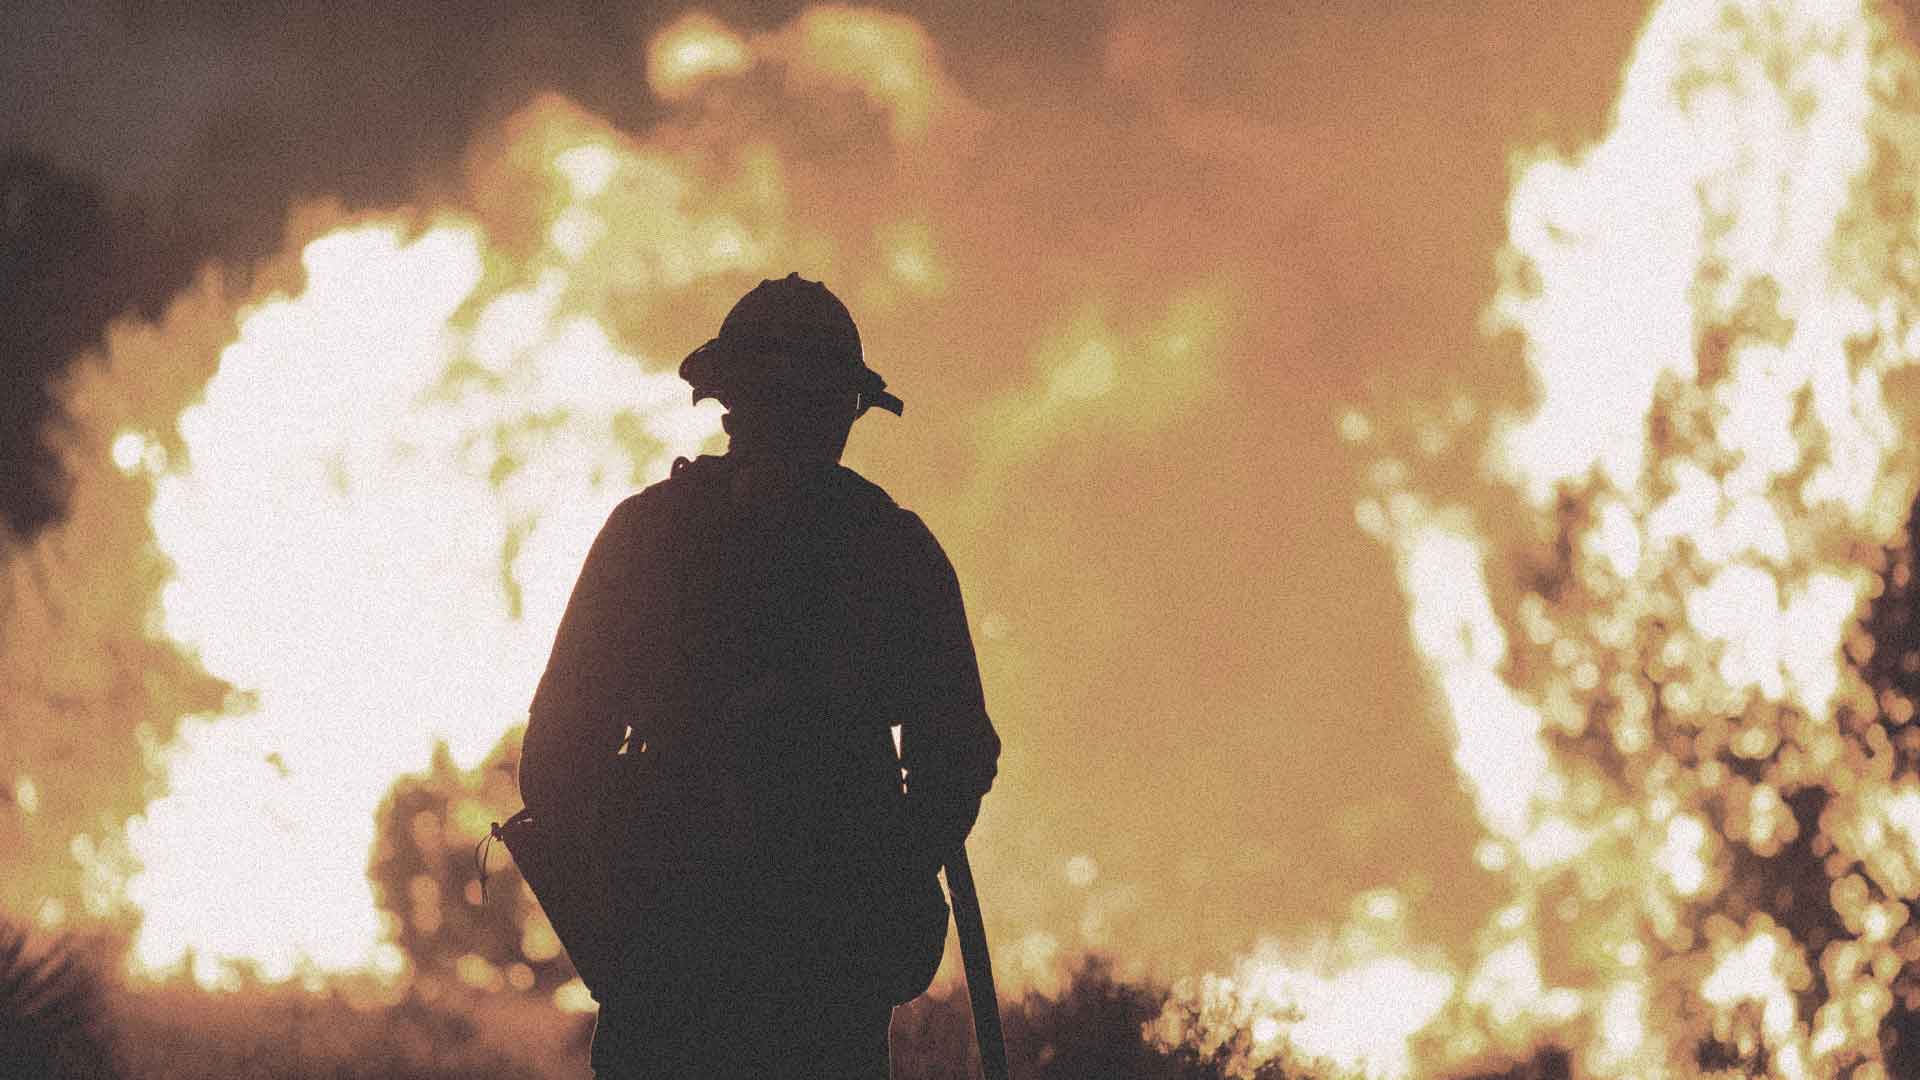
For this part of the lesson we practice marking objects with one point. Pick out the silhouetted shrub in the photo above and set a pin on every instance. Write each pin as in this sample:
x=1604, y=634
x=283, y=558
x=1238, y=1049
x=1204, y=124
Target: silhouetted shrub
x=52, y=1011
x=1092, y=1029
x=430, y=1033
x=60, y=1016
x=425, y=875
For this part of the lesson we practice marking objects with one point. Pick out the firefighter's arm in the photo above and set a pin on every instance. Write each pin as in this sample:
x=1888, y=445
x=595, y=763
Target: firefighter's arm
x=583, y=704
x=947, y=742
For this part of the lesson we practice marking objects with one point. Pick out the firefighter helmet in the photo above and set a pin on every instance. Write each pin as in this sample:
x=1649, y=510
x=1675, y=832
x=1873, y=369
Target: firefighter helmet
x=788, y=332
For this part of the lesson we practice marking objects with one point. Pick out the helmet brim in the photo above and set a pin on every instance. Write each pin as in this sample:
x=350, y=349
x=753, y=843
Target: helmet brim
x=716, y=365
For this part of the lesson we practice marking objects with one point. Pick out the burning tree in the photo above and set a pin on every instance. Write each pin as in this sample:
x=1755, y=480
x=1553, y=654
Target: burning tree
x=1670, y=619
x=1667, y=604
x=450, y=920
x=52, y=1010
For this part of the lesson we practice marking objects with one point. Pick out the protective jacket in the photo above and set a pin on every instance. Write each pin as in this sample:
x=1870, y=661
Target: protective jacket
x=754, y=631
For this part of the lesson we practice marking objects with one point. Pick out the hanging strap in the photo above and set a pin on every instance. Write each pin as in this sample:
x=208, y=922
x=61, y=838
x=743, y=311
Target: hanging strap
x=480, y=857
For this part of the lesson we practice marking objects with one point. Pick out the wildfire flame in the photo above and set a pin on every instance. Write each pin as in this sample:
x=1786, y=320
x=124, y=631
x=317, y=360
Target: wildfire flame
x=375, y=561
x=375, y=510
x=1714, y=302
x=1638, y=598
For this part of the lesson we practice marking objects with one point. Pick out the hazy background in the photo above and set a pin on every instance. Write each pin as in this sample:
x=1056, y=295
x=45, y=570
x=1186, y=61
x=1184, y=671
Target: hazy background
x=1198, y=662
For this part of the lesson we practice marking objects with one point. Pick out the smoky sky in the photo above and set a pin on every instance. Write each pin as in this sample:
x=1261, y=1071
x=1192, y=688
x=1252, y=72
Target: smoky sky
x=144, y=139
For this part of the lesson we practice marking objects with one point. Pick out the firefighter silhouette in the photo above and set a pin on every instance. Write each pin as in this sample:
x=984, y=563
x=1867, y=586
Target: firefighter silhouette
x=718, y=713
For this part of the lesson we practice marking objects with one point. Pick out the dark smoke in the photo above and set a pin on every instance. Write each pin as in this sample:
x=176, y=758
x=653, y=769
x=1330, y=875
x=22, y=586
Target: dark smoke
x=56, y=292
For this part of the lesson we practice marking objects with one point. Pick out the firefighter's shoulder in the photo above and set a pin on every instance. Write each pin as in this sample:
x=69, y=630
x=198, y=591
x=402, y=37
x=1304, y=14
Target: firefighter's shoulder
x=658, y=504
x=860, y=493
x=895, y=530
x=889, y=523
x=686, y=477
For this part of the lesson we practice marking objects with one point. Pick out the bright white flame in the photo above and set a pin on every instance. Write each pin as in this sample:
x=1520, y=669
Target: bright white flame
x=690, y=52
x=128, y=448
x=1709, y=302
x=1680, y=855
x=588, y=169
x=1354, y=1000
x=1497, y=737
x=1359, y=1019
x=339, y=549
x=1750, y=971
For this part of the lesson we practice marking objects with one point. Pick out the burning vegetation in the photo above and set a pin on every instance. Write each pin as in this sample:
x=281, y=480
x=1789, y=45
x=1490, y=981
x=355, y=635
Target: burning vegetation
x=1652, y=801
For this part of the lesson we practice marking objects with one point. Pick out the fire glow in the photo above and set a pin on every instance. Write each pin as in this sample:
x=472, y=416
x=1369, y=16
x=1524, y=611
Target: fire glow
x=1640, y=616
x=1713, y=312
x=387, y=486
x=409, y=529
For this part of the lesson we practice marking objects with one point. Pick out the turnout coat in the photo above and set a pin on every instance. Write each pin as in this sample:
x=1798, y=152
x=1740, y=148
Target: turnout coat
x=742, y=642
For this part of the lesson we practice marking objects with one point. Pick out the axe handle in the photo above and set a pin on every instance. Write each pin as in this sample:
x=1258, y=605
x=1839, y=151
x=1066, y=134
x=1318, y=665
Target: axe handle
x=979, y=967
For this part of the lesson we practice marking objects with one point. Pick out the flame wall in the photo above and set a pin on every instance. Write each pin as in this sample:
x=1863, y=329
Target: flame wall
x=1130, y=283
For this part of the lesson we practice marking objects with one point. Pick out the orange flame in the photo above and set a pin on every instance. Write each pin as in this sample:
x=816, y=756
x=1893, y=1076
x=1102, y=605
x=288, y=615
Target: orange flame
x=1712, y=305
x=391, y=479
x=1633, y=615
x=389, y=483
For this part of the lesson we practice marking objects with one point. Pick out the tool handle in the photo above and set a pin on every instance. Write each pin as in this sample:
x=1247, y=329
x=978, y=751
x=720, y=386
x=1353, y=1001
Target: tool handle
x=979, y=967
